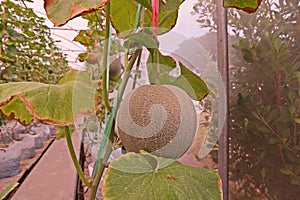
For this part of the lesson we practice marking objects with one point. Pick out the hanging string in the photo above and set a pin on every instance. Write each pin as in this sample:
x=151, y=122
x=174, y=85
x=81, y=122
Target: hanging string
x=108, y=58
x=155, y=12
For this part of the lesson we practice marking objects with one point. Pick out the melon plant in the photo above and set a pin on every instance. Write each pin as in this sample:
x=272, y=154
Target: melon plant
x=26, y=47
x=142, y=174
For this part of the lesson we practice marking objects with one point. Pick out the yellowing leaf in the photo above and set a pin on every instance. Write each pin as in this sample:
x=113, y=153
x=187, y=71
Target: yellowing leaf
x=60, y=11
x=52, y=104
x=22, y=114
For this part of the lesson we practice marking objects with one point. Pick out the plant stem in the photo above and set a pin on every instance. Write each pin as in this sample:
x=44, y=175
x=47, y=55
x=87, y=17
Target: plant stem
x=100, y=170
x=127, y=70
x=110, y=123
x=155, y=60
x=74, y=158
x=137, y=68
x=96, y=181
x=105, y=59
x=103, y=160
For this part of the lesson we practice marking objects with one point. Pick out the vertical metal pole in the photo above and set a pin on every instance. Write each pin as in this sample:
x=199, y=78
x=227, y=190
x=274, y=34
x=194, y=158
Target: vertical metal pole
x=223, y=153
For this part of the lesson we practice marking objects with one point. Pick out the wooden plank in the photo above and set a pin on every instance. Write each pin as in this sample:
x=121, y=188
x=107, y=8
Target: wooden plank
x=222, y=42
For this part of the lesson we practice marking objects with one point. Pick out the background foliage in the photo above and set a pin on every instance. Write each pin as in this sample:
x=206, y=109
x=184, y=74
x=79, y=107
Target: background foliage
x=26, y=47
x=264, y=98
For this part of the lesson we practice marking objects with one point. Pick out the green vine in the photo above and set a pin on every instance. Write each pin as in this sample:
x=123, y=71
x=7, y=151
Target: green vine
x=106, y=59
x=74, y=158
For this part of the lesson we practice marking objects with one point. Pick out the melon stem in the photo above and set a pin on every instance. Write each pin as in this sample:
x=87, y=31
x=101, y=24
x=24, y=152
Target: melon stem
x=74, y=157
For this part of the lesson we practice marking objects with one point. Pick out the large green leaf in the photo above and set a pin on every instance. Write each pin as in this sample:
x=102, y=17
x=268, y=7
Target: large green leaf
x=168, y=14
x=141, y=39
x=160, y=68
x=195, y=84
x=145, y=3
x=60, y=11
x=168, y=6
x=142, y=163
x=249, y=6
x=53, y=104
x=145, y=176
x=123, y=13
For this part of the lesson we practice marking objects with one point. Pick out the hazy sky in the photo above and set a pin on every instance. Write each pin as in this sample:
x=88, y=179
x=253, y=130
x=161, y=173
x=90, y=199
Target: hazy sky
x=186, y=26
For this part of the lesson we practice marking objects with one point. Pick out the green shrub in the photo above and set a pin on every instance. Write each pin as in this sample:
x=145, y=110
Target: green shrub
x=264, y=99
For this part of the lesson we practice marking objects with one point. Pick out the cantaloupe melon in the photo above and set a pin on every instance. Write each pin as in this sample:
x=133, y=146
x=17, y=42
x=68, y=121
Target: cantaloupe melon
x=160, y=119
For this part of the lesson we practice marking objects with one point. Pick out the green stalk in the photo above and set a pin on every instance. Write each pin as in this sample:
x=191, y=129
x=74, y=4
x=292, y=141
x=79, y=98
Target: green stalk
x=137, y=17
x=155, y=57
x=105, y=58
x=104, y=150
x=100, y=170
x=108, y=129
x=74, y=158
x=127, y=70
x=96, y=181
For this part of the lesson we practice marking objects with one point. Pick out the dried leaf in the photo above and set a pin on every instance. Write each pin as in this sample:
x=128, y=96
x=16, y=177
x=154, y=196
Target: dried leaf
x=249, y=6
